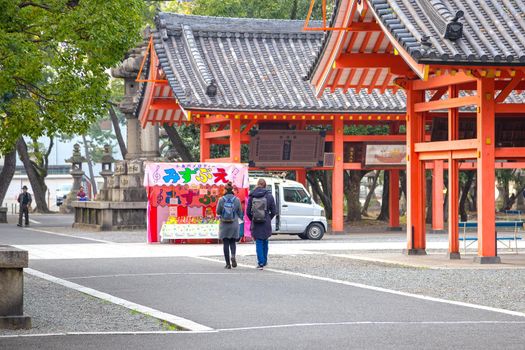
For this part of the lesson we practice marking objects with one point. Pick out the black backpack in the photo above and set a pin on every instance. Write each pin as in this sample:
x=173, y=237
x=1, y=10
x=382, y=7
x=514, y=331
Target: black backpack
x=259, y=206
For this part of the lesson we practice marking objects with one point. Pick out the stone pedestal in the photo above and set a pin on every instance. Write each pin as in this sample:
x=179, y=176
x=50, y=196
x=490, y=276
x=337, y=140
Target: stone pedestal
x=12, y=263
x=124, y=205
x=110, y=216
x=3, y=215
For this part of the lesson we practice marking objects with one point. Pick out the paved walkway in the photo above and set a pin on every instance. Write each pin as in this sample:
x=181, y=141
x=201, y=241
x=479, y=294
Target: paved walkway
x=247, y=308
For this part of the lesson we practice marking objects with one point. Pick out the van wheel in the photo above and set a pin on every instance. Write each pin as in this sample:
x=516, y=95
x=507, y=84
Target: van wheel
x=303, y=235
x=315, y=231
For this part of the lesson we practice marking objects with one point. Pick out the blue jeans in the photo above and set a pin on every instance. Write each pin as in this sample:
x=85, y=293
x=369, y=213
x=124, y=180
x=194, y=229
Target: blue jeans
x=261, y=245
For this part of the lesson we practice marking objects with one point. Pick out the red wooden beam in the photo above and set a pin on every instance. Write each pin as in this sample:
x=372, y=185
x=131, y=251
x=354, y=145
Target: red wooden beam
x=217, y=134
x=164, y=104
x=438, y=94
x=436, y=146
x=442, y=80
x=226, y=141
x=368, y=138
x=369, y=60
x=510, y=86
x=510, y=108
x=352, y=166
x=448, y=103
x=217, y=160
x=458, y=154
x=510, y=152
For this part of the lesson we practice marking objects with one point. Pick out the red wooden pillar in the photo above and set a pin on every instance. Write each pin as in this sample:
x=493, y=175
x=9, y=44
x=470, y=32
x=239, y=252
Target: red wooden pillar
x=487, y=250
x=393, y=197
x=300, y=176
x=453, y=181
x=204, y=143
x=416, y=241
x=338, y=179
x=437, y=196
x=235, y=140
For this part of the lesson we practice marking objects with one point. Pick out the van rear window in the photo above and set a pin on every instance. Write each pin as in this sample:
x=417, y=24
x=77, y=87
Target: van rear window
x=268, y=187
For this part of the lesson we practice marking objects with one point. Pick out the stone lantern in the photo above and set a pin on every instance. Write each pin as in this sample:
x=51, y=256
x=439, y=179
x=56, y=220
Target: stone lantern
x=76, y=167
x=76, y=171
x=107, y=172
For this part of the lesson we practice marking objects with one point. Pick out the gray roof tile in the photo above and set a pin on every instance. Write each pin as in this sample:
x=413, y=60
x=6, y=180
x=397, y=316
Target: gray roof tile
x=259, y=65
x=492, y=30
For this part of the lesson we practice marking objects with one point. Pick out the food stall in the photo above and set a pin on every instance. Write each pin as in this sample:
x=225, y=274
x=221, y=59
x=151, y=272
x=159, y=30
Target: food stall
x=182, y=198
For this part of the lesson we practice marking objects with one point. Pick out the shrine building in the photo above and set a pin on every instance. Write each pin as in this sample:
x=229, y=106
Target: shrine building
x=461, y=65
x=242, y=79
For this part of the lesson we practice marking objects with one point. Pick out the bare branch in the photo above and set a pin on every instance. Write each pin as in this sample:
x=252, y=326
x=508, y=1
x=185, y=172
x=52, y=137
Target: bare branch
x=33, y=4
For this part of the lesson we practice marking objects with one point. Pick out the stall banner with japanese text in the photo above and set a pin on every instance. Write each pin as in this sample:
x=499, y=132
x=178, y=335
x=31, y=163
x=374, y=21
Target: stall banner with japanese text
x=190, y=196
x=195, y=174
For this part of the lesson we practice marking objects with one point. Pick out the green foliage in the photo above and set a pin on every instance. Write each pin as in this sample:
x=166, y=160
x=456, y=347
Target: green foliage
x=283, y=9
x=361, y=129
x=54, y=55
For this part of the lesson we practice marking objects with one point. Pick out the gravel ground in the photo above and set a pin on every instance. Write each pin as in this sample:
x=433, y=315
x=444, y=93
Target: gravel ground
x=57, y=309
x=501, y=288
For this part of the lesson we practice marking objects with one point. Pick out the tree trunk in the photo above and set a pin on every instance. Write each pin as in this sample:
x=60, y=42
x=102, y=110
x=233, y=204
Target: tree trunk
x=38, y=183
x=352, y=185
x=90, y=166
x=293, y=14
x=178, y=143
x=371, y=192
x=464, y=195
x=509, y=202
x=403, y=188
x=384, y=214
x=474, y=198
x=8, y=170
x=428, y=199
x=317, y=181
x=118, y=132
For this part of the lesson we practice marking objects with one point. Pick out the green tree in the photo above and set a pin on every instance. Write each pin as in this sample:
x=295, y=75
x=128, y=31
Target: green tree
x=54, y=55
x=282, y=9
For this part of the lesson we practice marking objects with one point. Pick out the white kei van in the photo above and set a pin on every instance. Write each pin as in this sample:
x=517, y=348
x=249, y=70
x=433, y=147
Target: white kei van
x=297, y=213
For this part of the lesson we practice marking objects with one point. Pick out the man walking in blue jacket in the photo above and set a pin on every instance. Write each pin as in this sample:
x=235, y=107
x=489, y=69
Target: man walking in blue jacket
x=261, y=210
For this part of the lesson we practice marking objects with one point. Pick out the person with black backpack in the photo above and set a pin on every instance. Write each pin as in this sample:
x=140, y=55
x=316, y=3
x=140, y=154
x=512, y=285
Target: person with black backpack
x=25, y=203
x=229, y=211
x=261, y=210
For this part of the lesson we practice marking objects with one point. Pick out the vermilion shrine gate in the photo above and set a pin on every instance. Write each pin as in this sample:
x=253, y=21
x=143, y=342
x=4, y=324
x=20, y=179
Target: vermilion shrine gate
x=459, y=60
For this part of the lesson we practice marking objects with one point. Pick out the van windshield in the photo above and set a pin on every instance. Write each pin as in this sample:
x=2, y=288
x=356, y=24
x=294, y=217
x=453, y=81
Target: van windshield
x=296, y=195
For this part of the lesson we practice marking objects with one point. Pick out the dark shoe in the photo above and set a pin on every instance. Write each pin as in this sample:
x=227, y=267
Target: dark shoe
x=228, y=267
x=18, y=225
x=234, y=262
x=260, y=267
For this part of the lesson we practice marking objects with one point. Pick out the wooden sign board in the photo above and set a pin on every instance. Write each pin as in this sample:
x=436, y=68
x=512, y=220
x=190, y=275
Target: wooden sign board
x=284, y=148
x=381, y=155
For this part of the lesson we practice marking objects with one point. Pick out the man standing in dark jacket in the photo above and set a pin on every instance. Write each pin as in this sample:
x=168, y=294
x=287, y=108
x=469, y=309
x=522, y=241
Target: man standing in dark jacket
x=25, y=200
x=261, y=210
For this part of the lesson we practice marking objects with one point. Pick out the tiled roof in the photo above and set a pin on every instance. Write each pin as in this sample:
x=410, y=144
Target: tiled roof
x=493, y=31
x=258, y=65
